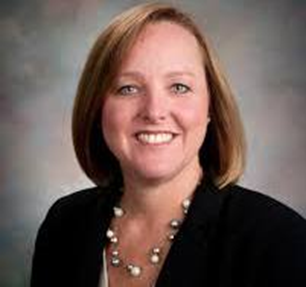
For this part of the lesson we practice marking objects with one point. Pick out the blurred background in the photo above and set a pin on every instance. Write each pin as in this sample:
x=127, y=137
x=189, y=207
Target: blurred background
x=44, y=45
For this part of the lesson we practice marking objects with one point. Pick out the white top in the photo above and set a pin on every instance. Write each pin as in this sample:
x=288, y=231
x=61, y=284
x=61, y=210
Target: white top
x=104, y=275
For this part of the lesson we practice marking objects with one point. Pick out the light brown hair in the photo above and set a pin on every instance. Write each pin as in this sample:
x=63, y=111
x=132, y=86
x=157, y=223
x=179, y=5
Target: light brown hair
x=222, y=154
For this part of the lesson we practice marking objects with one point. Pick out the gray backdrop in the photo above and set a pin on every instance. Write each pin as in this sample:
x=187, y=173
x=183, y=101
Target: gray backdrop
x=261, y=44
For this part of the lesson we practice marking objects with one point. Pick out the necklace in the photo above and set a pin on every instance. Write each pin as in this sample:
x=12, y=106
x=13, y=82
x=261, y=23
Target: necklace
x=155, y=252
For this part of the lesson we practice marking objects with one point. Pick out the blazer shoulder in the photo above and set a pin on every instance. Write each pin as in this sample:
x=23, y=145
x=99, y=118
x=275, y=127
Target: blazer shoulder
x=77, y=206
x=75, y=201
x=253, y=208
x=67, y=236
x=264, y=237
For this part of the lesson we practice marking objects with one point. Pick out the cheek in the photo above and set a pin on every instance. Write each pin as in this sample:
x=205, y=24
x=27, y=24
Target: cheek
x=194, y=121
x=195, y=114
x=110, y=120
x=111, y=123
x=116, y=120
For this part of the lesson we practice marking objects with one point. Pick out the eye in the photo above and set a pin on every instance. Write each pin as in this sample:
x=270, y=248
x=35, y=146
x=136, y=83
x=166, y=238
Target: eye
x=179, y=88
x=127, y=90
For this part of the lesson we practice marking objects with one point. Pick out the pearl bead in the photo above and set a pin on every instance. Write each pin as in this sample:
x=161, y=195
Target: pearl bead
x=114, y=239
x=186, y=204
x=175, y=224
x=134, y=270
x=115, y=261
x=156, y=250
x=115, y=253
x=171, y=237
x=110, y=233
x=118, y=211
x=154, y=259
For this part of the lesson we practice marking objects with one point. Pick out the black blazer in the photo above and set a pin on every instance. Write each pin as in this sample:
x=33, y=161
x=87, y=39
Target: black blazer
x=230, y=238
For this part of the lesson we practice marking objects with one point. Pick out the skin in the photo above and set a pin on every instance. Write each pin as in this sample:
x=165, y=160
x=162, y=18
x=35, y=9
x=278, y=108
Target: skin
x=154, y=120
x=159, y=89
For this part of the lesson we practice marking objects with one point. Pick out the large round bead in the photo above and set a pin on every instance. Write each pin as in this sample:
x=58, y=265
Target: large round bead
x=134, y=270
x=109, y=233
x=175, y=223
x=118, y=211
x=154, y=259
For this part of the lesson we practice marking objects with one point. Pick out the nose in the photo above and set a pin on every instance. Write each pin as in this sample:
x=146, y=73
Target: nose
x=154, y=106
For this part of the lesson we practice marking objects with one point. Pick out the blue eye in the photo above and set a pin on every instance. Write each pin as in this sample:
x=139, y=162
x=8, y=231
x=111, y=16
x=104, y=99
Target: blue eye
x=179, y=88
x=127, y=90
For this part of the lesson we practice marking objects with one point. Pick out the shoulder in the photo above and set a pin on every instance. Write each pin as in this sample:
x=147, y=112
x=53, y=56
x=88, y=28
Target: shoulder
x=263, y=237
x=74, y=211
x=68, y=235
x=73, y=204
x=71, y=218
x=249, y=207
x=264, y=227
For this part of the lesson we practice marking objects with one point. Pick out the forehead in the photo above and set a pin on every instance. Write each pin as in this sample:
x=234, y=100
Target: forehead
x=165, y=30
x=163, y=41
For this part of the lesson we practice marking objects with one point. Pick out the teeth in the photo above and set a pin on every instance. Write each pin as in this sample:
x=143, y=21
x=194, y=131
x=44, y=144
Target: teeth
x=155, y=138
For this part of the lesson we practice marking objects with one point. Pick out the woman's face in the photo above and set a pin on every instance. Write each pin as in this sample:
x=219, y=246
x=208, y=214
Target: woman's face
x=154, y=118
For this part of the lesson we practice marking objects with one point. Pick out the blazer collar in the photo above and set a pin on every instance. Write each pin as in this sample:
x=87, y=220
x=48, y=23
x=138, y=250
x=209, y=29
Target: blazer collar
x=206, y=206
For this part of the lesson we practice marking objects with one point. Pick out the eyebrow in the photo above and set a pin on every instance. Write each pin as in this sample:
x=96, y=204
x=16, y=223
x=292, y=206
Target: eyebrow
x=180, y=73
x=172, y=74
x=127, y=74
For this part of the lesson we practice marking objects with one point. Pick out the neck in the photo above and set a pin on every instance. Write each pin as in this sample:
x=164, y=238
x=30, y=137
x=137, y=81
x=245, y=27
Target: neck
x=144, y=199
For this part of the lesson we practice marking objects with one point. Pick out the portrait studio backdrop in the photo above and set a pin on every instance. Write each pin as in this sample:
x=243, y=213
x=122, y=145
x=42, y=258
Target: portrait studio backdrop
x=44, y=45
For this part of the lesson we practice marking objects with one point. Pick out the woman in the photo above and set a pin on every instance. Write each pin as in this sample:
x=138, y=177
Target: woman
x=156, y=128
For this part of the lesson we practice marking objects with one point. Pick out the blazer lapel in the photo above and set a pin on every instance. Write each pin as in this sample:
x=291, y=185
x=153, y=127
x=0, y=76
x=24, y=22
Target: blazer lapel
x=95, y=239
x=187, y=260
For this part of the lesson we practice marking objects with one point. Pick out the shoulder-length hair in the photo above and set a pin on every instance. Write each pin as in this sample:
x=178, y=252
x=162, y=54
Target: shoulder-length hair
x=222, y=154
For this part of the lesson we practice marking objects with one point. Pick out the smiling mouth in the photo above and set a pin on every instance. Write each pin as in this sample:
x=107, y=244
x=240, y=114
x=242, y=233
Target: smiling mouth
x=155, y=138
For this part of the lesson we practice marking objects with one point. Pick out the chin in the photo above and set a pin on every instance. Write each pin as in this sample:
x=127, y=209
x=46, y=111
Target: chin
x=151, y=172
x=158, y=172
